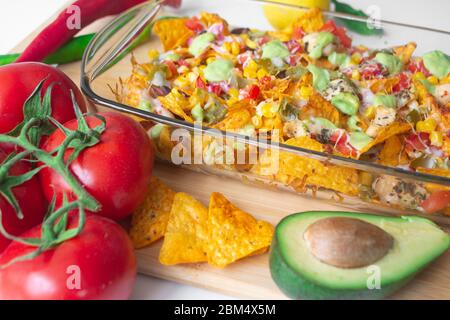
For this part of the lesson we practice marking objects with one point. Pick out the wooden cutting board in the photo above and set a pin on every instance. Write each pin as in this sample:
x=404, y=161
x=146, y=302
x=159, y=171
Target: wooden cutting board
x=249, y=278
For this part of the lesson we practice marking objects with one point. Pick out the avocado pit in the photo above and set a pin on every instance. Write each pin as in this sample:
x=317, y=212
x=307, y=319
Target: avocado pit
x=347, y=242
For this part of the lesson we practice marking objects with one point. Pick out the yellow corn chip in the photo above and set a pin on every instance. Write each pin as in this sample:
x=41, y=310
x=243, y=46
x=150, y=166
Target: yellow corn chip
x=293, y=168
x=319, y=107
x=393, y=129
x=235, y=119
x=308, y=20
x=391, y=154
x=176, y=103
x=186, y=237
x=149, y=221
x=381, y=85
x=233, y=233
x=432, y=187
x=405, y=52
x=172, y=32
x=211, y=18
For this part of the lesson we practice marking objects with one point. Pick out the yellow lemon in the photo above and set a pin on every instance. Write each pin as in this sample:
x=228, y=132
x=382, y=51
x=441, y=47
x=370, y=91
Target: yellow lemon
x=280, y=17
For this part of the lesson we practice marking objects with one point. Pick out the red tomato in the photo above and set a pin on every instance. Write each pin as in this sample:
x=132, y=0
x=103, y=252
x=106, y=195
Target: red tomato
x=339, y=32
x=342, y=145
x=404, y=82
x=253, y=92
x=200, y=83
x=418, y=66
x=116, y=171
x=97, y=264
x=30, y=198
x=437, y=201
x=418, y=141
x=19, y=80
x=194, y=24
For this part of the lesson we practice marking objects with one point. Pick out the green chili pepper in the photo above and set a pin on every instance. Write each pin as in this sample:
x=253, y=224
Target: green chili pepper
x=71, y=51
x=355, y=26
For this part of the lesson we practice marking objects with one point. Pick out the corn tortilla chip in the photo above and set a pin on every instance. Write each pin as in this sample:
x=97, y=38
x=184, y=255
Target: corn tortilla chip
x=391, y=154
x=385, y=133
x=186, y=237
x=149, y=221
x=319, y=107
x=172, y=32
x=292, y=168
x=233, y=233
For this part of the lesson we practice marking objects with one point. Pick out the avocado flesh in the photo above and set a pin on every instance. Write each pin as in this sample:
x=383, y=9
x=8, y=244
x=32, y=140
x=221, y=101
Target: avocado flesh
x=299, y=274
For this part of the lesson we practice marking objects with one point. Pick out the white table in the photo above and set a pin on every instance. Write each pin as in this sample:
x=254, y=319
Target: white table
x=20, y=17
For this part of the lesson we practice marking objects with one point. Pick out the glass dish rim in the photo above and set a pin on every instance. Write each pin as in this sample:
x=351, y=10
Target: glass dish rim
x=321, y=156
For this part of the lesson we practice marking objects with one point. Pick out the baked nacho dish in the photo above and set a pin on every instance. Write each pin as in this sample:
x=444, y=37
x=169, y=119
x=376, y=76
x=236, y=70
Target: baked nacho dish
x=307, y=86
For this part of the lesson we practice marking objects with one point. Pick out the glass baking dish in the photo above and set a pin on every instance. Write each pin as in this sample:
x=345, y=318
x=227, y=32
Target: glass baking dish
x=108, y=59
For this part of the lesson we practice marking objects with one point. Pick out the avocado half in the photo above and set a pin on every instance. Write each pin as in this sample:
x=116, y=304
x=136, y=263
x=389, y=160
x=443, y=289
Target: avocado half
x=301, y=275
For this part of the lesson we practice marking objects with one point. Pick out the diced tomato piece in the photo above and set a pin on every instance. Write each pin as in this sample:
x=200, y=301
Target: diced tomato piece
x=215, y=88
x=194, y=24
x=339, y=32
x=417, y=141
x=371, y=70
x=266, y=82
x=263, y=40
x=298, y=33
x=172, y=68
x=200, y=83
x=437, y=201
x=293, y=46
x=253, y=92
x=340, y=139
x=418, y=66
x=403, y=83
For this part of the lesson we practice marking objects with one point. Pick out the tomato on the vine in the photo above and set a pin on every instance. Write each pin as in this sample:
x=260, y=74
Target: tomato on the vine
x=18, y=82
x=99, y=263
x=116, y=171
x=29, y=197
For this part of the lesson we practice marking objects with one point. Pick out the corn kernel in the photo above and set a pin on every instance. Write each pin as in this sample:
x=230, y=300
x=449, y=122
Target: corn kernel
x=210, y=59
x=356, y=58
x=235, y=48
x=356, y=75
x=227, y=46
x=418, y=76
x=433, y=80
x=446, y=79
x=261, y=73
x=370, y=112
x=251, y=44
x=427, y=125
x=153, y=54
x=266, y=110
x=306, y=92
x=436, y=138
x=251, y=69
x=257, y=122
x=233, y=92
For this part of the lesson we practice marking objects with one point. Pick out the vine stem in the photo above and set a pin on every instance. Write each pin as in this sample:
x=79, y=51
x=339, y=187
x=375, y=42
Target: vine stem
x=83, y=196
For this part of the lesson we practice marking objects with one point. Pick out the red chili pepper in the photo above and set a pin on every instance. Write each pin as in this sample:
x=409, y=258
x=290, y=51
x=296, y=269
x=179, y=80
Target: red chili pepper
x=339, y=32
x=253, y=92
x=64, y=27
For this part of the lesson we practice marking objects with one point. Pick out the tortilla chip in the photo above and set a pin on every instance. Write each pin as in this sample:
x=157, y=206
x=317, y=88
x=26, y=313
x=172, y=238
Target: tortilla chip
x=235, y=119
x=391, y=154
x=432, y=187
x=405, y=52
x=176, y=103
x=172, y=32
x=149, y=221
x=393, y=129
x=186, y=237
x=292, y=169
x=308, y=21
x=233, y=233
x=384, y=85
x=210, y=19
x=319, y=107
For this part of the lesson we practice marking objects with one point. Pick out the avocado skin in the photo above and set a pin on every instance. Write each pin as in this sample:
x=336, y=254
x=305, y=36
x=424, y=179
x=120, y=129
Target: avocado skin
x=295, y=286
